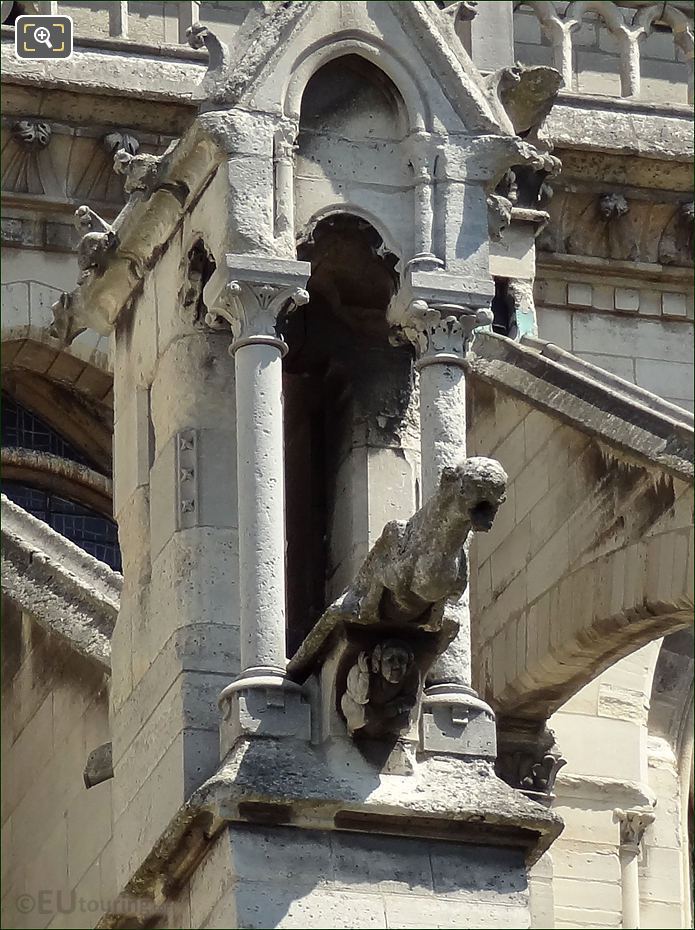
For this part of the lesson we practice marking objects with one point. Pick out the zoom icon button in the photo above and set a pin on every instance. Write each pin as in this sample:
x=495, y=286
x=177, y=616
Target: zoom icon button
x=43, y=38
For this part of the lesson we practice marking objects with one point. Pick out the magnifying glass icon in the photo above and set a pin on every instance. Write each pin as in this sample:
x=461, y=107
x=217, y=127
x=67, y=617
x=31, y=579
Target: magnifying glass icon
x=43, y=36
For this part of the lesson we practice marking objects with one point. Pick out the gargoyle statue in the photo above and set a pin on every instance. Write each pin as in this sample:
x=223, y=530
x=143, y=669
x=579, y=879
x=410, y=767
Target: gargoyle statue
x=139, y=171
x=381, y=690
x=98, y=239
x=416, y=566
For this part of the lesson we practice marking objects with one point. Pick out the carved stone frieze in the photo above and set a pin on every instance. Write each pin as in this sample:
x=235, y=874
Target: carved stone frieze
x=610, y=226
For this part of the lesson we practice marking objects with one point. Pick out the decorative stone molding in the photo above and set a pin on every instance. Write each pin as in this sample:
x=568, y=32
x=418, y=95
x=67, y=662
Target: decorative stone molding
x=187, y=479
x=32, y=133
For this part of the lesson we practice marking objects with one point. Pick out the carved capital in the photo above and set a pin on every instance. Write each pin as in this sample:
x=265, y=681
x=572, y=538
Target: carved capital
x=528, y=757
x=633, y=823
x=445, y=329
x=252, y=309
x=285, y=143
x=249, y=295
x=32, y=133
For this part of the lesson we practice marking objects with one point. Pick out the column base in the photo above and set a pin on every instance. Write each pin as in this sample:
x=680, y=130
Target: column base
x=263, y=702
x=454, y=720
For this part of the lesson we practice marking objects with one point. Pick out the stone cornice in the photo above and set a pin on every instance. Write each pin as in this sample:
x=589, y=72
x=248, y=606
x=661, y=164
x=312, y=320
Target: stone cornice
x=612, y=125
x=67, y=591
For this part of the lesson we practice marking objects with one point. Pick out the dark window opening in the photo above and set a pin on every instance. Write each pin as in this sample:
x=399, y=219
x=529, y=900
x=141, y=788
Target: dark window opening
x=17, y=9
x=502, y=308
x=88, y=529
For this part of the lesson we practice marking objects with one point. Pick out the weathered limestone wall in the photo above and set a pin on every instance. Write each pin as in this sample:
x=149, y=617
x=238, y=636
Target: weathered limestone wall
x=176, y=640
x=637, y=328
x=57, y=856
x=282, y=877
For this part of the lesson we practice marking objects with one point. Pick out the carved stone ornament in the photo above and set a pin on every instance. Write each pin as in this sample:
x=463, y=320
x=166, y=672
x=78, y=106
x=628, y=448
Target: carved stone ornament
x=416, y=565
x=98, y=239
x=528, y=757
x=32, y=133
x=633, y=823
x=499, y=215
x=381, y=690
x=613, y=206
x=140, y=171
x=252, y=309
x=445, y=328
x=121, y=141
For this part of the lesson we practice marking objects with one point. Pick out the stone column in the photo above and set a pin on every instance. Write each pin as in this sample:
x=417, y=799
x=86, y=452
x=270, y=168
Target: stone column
x=249, y=294
x=441, y=333
x=632, y=826
x=421, y=156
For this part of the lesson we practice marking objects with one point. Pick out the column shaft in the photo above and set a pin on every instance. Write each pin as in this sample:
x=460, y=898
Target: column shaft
x=443, y=443
x=260, y=480
x=629, y=867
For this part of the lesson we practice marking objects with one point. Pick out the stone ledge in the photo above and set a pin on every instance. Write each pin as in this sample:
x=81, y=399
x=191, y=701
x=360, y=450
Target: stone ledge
x=286, y=782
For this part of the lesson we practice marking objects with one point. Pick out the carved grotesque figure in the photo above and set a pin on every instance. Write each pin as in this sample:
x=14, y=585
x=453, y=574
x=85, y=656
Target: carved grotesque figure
x=381, y=690
x=139, y=171
x=415, y=566
x=98, y=238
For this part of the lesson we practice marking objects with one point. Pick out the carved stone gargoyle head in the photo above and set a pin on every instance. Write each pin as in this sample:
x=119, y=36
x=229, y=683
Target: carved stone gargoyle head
x=479, y=485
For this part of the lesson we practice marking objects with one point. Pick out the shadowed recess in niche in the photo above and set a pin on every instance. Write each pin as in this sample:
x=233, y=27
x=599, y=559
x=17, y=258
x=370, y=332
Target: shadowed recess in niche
x=342, y=382
x=352, y=98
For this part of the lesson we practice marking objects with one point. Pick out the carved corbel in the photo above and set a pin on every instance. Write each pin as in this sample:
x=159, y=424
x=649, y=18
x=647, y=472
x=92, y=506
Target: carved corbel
x=528, y=757
x=382, y=688
x=499, y=216
x=121, y=141
x=32, y=134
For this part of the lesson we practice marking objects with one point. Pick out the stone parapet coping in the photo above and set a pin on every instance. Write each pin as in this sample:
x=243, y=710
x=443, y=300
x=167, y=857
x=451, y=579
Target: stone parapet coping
x=624, y=416
x=65, y=589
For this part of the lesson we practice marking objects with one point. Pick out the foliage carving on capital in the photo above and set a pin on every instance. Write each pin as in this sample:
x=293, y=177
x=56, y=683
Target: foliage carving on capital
x=252, y=308
x=443, y=328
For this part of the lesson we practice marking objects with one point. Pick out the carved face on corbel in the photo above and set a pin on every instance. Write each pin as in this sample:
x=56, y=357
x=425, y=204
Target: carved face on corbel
x=392, y=660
